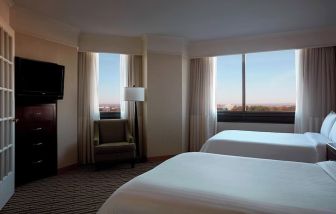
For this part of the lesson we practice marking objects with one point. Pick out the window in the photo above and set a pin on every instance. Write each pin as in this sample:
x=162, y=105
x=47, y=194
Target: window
x=109, y=85
x=256, y=87
x=229, y=83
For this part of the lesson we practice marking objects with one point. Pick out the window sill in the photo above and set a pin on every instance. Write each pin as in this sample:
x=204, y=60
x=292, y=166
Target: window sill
x=256, y=117
x=109, y=115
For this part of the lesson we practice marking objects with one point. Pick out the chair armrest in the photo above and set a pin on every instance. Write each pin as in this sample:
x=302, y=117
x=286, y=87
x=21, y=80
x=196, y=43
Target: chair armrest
x=130, y=139
x=95, y=141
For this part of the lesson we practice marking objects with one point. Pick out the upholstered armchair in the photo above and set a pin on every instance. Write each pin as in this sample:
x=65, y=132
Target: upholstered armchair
x=113, y=142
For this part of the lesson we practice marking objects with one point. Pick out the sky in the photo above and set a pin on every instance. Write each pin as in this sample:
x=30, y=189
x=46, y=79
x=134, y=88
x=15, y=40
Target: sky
x=109, y=78
x=270, y=78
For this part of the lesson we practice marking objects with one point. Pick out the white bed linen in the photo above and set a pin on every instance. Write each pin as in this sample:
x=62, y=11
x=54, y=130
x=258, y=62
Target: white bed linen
x=308, y=147
x=195, y=183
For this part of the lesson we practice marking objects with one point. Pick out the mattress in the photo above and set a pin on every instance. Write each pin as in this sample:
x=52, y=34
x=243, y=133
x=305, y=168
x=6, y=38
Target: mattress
x=308, y=147
x=198, y=183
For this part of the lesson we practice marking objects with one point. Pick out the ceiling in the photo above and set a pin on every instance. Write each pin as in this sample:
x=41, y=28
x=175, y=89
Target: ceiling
x=191, y=19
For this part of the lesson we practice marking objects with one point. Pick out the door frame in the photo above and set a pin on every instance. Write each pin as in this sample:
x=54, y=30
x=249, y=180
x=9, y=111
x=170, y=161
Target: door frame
x=7, y=114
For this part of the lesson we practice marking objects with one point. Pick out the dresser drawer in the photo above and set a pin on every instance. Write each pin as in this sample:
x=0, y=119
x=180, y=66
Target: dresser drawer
x=40, y=129
x=38, y=113
x=41, y=168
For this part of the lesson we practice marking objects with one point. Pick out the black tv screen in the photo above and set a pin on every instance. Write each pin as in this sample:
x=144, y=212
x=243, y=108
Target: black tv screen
x=37, y=78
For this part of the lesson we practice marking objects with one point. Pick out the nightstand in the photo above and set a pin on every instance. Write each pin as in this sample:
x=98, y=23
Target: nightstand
x=331, y=151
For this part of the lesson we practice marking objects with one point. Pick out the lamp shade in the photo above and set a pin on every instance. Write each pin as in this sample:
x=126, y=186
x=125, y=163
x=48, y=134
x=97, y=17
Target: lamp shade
x=134, y=94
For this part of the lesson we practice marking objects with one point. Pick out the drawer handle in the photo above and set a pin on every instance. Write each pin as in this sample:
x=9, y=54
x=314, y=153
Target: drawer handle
x=38, y=113
x=37, y=129
x=38, y=144
x=37, y=162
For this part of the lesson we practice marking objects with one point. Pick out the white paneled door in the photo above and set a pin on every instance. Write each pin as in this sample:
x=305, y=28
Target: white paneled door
x=6, y=113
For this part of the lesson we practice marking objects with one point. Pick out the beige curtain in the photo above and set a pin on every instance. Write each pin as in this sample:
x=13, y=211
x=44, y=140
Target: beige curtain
x=132, y=66
x=88, y=109
x=316, y=87
x=203, y=117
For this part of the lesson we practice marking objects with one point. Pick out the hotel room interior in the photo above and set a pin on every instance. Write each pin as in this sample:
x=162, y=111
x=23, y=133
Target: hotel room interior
x=176, y=106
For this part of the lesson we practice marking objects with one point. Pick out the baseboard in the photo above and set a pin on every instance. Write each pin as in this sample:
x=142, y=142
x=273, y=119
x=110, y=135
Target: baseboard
x=159, y=158
x=67, y=168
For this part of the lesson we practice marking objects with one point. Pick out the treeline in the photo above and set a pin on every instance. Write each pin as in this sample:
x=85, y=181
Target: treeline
x=260, y=108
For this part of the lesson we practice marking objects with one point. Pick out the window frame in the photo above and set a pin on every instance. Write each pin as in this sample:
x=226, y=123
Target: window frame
x=109, y=115
x=252, y=116
x=256, y=117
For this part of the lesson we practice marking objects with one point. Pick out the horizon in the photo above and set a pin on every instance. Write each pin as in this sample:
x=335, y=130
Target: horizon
x=224, y=104
x=271, y=74
x=257, y=104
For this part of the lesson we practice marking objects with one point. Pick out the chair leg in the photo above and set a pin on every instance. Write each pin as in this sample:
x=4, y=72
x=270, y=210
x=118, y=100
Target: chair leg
x=132, y=163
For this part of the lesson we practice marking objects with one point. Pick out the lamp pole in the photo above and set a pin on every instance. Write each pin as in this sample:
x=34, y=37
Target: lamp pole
x=136, y=131
x=135, y=94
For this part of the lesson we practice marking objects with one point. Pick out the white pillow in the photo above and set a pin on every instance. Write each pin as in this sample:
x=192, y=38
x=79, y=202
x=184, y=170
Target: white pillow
x=328, y=124
x=332, y=135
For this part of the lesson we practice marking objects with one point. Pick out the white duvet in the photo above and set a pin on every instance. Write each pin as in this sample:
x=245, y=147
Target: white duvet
x=309, y=147
x=201, y=183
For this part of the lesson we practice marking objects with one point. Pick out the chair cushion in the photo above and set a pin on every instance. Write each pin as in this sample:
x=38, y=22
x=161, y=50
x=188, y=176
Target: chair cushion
x=112, y=131
x=115, y=147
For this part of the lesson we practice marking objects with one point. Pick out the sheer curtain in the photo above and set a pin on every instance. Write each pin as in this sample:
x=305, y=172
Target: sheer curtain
x=131, y=75
x=124, y=67
x=88, y=107
x=203, y=115
x=316, y=86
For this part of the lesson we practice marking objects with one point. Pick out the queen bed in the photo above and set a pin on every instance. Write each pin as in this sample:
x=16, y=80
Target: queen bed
x=210, y=183
x=308, y=147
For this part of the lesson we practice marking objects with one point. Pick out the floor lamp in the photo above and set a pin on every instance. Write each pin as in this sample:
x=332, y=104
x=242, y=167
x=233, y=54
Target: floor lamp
x=135, y=94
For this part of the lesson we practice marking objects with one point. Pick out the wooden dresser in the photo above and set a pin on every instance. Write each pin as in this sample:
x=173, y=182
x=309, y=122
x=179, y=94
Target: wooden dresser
x=36, y=141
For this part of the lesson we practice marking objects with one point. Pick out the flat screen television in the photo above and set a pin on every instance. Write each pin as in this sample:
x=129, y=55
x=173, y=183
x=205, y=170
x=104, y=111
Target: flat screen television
x=37, y=78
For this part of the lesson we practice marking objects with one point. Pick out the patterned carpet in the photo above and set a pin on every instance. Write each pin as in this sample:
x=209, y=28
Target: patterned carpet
x=82, y=190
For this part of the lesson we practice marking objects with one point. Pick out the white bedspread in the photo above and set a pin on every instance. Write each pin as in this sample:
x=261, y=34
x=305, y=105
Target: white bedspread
x=308, y=147
x=199, y=183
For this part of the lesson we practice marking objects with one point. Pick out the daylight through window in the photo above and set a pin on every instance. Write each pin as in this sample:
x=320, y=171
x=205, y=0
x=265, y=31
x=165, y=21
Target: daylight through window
x=256, y=82
x=109, y=83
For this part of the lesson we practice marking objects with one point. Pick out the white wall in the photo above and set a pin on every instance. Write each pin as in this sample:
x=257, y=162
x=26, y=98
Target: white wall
x=279, y=41
x=185, y=103
x=266, y=127
x=165, y=45
x=39, y=49
x=4, y=10
x=40, y=26
x=164, y=104
x=165, y=71
x=110, y=43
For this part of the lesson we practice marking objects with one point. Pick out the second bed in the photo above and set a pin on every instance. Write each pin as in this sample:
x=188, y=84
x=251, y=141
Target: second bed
x=308, y=147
